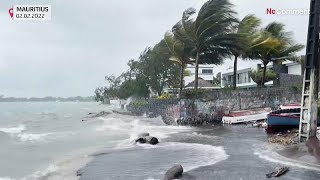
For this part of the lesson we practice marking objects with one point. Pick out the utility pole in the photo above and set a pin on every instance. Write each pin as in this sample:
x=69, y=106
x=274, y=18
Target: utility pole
x=309, y=100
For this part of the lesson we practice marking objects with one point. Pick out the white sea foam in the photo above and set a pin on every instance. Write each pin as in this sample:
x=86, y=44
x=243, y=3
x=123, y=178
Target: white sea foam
x=41, y=174
x=196, y=155
x=66, y=168
x=20, y=133
x=268, y=153
x=32, y=137
x=13, y=130
x=137, y=126
x=202, y=135
x=5, y=178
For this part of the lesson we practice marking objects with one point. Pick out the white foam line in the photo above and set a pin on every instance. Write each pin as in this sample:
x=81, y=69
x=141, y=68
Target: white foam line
x=286, y=161
x=5, y=178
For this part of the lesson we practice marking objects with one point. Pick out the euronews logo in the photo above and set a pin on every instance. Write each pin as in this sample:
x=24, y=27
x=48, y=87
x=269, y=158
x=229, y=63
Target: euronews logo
x=279, y=11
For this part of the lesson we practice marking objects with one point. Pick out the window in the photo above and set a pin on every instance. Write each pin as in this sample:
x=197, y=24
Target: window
x=207, y=71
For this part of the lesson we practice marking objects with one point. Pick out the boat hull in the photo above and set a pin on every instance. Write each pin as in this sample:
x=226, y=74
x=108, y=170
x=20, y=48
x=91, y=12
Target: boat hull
x=280, y=122
x=243, y=119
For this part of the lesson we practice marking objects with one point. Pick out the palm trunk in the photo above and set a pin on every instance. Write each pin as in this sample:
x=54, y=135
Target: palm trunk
x=235, y=72
x=181, y=79
x=264, y=74
x=196, y=72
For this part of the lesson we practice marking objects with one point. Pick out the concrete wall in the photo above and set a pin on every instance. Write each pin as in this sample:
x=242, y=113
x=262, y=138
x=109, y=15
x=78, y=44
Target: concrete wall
x=213, y=105
x=289, y=80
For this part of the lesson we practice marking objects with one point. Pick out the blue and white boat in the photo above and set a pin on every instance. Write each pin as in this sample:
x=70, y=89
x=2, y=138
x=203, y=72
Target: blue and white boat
x=283, y=119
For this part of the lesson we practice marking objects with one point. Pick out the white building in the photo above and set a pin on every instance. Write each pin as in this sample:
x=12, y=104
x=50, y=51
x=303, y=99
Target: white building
x=244, y=80
x=205, y=72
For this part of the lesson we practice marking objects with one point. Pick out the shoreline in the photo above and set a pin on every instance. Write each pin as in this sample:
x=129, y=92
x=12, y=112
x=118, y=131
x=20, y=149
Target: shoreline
x=202, y=132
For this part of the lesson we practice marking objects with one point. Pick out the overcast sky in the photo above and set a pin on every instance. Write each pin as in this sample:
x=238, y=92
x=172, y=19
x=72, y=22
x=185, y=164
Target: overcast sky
x=88, y=39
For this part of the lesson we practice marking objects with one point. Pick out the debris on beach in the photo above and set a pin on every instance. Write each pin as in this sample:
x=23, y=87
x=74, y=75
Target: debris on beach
x=259, y=124
x=287, y=138
x=95, y=115
x=278, y=172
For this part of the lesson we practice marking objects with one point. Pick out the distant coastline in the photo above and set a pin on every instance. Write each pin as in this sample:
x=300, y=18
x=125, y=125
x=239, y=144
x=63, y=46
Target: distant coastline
x=47, y=99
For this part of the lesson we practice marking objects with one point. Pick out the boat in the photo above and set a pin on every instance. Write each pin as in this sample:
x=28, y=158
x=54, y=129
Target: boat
x=283, y=119
x=290, y=106
x=244, y=116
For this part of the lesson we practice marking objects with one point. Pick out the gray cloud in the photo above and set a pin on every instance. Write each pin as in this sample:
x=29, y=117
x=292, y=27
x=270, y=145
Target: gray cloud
x=86, y=40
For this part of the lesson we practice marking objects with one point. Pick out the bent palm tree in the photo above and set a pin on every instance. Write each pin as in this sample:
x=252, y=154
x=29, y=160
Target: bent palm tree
x=273, y=43
x=210, y=33
x=246, y=30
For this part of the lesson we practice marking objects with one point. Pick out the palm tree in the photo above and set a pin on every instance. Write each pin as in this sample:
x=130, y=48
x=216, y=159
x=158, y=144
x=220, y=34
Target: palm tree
x=181, y=51
x=246, y=29
x=209, y=33
x=273, y=43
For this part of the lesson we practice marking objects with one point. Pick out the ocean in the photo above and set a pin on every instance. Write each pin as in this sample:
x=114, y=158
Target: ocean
x=49, y=140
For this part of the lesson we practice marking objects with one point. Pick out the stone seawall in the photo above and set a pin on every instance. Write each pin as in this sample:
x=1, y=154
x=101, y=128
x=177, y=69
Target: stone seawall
x=208, y=107
x=212, y=105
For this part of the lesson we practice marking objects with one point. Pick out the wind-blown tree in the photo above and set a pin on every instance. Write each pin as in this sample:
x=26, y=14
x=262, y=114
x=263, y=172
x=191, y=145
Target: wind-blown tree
x=157, y=68
x=246, y=29
x=181, y=51
x=273, y=43
x=210, y=33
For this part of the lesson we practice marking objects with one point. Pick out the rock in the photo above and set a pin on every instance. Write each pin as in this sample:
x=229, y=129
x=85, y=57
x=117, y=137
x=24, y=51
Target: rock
x=153, y=141
x=123, y=113
x=148, y=139
x=174, y=172
x=141, y=140
x=152, y=115
x=95, y=115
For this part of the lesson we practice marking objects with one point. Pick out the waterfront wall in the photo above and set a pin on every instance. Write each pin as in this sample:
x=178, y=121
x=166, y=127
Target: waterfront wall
x=212, y=105
x=289, y=80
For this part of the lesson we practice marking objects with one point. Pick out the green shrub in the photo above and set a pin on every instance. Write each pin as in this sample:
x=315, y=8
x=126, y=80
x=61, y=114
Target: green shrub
x=165, y=96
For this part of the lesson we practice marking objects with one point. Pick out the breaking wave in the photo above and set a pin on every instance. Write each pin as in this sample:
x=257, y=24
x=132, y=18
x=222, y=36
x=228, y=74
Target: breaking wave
x=32, y=137
x=196, y=155
x=5, y=178
x=20, y=133
x=13, y=130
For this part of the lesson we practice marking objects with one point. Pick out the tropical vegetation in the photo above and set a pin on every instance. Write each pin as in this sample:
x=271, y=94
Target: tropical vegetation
x=256, y=76
x=208, y=36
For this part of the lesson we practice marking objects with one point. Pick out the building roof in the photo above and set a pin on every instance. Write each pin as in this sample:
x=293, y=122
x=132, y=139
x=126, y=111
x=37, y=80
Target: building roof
x=201, y=84
x=229, y=71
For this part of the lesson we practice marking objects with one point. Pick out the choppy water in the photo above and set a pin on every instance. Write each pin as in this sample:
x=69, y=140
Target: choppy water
x=49, y=141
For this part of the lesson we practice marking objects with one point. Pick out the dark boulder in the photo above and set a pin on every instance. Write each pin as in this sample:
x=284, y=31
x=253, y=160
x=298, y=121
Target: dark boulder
x=141, y=140
x=153, y=141
x=95, y=115
x=148, y=140
x=174, y=172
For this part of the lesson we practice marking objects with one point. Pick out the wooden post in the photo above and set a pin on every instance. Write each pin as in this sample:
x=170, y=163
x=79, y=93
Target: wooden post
x=309, y=100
